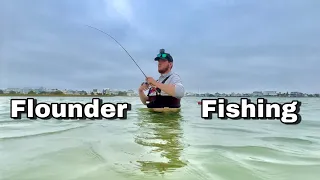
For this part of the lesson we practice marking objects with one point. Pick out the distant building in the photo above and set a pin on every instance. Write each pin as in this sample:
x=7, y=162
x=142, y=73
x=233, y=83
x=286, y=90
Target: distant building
x=257, y=93
x=270, y=93
x=296, y=94
x=95, y=91
x=106, y=91
x=130, y=93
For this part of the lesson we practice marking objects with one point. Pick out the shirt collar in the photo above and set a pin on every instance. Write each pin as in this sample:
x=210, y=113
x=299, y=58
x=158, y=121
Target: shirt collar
x=166, y=75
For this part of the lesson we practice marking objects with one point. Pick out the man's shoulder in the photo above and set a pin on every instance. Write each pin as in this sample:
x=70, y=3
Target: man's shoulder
x=175, y=78
x=174, y=74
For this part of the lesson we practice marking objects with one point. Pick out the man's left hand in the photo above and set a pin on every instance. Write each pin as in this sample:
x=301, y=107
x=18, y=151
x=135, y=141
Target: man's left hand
x=151, y=81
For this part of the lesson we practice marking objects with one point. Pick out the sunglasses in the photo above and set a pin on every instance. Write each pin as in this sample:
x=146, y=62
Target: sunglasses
x=162, y=55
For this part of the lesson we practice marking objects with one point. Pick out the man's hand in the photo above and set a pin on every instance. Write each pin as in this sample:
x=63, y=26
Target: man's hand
x=143, y=87
x=151, y=81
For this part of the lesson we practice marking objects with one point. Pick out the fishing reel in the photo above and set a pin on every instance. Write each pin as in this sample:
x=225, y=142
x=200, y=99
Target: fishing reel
x=146, y=83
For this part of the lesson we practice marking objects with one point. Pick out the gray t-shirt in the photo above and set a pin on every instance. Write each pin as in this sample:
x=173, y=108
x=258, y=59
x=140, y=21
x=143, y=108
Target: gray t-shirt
x=173, y=79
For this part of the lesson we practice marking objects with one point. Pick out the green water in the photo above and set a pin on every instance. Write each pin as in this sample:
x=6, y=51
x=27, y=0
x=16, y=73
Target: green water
x=160, y=146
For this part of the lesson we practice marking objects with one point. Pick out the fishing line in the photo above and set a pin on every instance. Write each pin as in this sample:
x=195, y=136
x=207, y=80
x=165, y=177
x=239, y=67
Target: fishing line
x=120, y=46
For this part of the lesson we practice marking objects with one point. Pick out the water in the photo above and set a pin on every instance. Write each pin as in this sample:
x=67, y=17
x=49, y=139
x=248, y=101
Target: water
x=159, y=146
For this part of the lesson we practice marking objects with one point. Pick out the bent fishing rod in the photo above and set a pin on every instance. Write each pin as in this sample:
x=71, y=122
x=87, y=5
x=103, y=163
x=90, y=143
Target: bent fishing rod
x=120, y=46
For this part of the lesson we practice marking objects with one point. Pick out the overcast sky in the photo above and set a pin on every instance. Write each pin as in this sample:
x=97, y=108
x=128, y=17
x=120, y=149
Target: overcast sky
x=217, y=45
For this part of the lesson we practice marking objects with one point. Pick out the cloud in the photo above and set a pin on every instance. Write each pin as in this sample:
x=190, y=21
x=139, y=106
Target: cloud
x=217, y=45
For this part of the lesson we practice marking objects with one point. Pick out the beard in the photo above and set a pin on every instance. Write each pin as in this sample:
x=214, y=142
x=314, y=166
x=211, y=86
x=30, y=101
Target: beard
x=161, y=71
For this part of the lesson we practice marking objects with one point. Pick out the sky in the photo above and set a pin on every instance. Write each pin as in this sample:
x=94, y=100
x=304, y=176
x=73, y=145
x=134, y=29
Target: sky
x=217, y=45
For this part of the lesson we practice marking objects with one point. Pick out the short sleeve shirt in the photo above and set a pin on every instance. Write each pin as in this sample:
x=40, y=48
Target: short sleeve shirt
x=175, y=79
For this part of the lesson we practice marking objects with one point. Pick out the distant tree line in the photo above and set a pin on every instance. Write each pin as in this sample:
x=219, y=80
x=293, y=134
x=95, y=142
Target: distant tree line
x=58, y=92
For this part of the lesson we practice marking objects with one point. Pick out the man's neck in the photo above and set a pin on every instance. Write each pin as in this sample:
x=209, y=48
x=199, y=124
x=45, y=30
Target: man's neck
x=164, y=74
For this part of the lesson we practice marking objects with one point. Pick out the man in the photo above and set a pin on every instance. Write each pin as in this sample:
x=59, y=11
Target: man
x=168, y=90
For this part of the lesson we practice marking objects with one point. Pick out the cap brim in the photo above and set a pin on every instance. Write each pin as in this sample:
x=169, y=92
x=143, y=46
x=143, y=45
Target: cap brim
x=158, y=58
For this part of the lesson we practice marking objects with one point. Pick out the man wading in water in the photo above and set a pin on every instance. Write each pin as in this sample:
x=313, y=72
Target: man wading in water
x=168, y=90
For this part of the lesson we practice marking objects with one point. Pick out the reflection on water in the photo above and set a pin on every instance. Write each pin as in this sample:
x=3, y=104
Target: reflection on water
x=161, y=132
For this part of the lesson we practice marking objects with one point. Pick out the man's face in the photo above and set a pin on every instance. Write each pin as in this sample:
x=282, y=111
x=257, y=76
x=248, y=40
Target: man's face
x=163, y=66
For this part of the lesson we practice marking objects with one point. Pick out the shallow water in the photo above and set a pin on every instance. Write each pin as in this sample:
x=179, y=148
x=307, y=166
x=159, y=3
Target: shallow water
x=160, y=146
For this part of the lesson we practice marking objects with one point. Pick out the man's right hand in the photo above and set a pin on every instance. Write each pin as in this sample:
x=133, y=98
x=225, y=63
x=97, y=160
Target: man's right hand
x=143, y=87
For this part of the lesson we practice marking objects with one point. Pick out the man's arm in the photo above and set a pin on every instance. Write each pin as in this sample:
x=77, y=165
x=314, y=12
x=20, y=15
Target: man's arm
x=143, y=97
x=175, y=89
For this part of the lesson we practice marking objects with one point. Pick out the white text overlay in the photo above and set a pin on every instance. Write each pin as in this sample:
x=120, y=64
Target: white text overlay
x=93, y=110
x=287, y=113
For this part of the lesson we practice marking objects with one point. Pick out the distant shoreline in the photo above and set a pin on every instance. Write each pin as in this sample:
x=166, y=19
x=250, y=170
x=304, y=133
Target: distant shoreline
x=56, y=95
x=89, y=95
x=215, y=97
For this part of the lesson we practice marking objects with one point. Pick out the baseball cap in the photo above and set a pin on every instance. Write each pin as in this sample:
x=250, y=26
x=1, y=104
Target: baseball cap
x=163, y=55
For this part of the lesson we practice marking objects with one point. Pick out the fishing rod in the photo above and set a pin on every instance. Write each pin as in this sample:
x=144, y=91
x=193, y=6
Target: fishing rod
x=120, y=46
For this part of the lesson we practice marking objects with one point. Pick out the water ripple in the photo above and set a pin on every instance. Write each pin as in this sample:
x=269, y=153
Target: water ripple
x=33, y=133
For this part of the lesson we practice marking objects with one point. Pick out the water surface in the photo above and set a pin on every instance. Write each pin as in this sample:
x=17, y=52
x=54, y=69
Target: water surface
x=159, y=146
